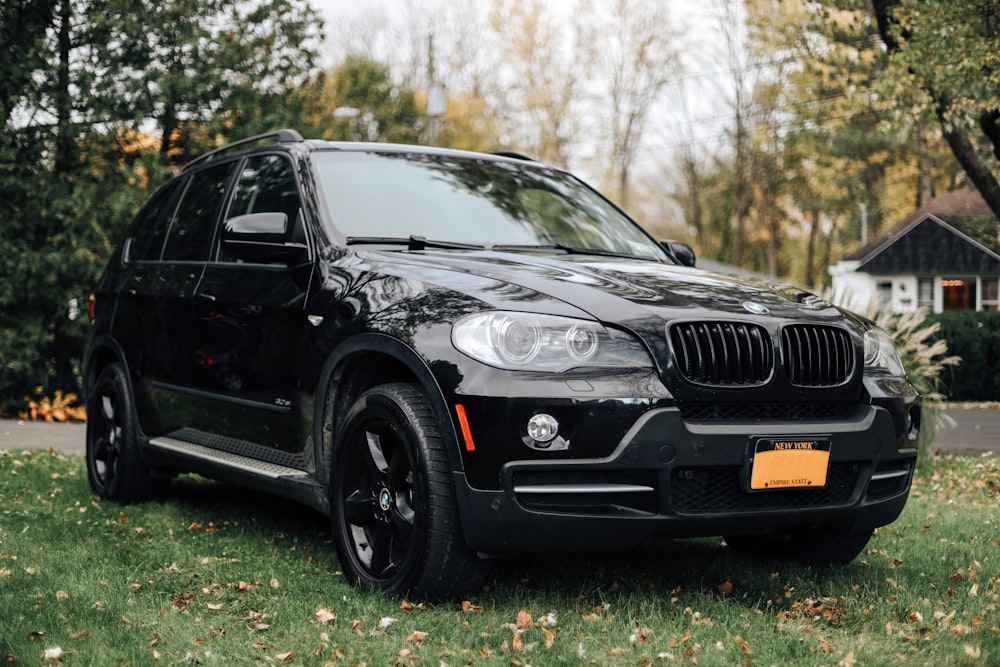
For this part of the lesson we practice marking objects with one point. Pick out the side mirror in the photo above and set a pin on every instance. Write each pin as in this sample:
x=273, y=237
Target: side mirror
x=682, y=252
x=259, y=238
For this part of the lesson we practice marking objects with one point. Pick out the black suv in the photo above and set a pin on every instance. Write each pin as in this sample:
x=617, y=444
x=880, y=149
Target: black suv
x=458, y=355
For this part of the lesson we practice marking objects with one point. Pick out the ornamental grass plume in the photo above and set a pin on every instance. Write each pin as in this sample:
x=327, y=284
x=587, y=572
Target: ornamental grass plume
x=924, y=357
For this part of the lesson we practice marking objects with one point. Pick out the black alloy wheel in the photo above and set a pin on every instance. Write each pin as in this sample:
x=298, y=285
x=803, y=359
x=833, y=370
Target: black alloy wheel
x=393, y=508
x=115, y=468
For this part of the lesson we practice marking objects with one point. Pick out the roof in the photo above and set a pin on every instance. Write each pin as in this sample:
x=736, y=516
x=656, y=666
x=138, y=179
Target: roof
x=955, y=232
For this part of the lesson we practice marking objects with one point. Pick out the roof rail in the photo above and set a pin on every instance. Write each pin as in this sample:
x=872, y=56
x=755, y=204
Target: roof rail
x=515, y=155
x=282, y=137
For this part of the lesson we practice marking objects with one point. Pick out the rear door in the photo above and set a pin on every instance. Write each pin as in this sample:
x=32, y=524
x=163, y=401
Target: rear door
x=155, y=312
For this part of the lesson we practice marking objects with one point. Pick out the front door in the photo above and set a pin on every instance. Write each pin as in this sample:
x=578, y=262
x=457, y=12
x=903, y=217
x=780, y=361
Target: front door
x=249, y=328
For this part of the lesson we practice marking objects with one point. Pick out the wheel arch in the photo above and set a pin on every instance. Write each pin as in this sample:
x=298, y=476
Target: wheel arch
x=103, y=351
x=360, y=363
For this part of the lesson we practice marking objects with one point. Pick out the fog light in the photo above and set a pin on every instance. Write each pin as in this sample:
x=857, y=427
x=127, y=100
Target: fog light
x=542, y=427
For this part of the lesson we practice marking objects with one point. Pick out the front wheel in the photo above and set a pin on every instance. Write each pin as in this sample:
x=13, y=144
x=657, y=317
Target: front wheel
x=115, y=468
x=392, y=506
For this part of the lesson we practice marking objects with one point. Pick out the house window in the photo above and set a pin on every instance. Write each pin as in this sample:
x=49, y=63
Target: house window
x=958, y=294
x=883, y=293
x=925, y=293
x=991, y=289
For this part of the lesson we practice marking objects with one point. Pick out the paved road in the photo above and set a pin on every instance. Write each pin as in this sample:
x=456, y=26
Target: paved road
x=974, y=432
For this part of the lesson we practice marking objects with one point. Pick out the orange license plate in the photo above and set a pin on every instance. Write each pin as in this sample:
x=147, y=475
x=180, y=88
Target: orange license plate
x=790, y=463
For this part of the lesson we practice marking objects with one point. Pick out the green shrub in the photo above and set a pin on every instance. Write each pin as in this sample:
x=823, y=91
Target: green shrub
x=975, y=337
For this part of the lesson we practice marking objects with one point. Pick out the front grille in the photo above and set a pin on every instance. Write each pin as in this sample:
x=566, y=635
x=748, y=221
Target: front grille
x=817, y=356
x=706, y=490
x=783, y=412
x=722, y=354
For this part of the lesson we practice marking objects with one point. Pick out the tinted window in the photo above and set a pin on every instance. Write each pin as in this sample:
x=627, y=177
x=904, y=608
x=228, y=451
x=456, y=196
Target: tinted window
x=150, y=226
x=191, y=233
x=266, y=184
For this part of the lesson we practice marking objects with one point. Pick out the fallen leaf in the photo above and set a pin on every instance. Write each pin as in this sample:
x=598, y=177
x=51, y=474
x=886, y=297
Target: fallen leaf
x=385, y=622
x=417, y=637
x=54, y=653
x=325, y=616
x=468, y=607
x=284, y=656
x=517, y=644
x=215, y=606
x=549, y=637
x=62, y=596
x=524, y=620
x=725, y=588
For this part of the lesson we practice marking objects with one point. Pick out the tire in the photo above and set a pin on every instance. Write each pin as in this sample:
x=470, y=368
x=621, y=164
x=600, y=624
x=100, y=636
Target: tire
x=392, y=507
x=115, y=468
x=815, y=546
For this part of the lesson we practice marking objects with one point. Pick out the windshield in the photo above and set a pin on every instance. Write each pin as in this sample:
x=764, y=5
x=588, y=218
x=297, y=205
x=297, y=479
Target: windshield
x=471, y=200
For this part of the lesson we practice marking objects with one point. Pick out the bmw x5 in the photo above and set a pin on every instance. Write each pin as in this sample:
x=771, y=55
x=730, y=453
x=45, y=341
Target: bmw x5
x=457, y=356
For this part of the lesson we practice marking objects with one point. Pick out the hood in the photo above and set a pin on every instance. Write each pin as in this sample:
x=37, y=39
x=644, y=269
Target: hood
x=644, y=297
x=612, y=290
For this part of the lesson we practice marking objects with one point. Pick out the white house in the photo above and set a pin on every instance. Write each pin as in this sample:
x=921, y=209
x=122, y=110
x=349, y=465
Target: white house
x=943, y=256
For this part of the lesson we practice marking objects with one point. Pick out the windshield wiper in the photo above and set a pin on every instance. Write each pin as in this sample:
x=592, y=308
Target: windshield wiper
x=414, y=242
x=568, y=249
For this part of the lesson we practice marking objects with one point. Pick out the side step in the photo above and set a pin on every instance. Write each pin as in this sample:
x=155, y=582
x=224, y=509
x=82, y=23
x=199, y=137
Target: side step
x=272, y=477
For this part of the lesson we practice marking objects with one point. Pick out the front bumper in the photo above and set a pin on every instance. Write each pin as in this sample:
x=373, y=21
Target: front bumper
x=677, y=477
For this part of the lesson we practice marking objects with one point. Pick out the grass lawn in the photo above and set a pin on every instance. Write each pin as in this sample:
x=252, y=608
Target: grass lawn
x=218, y=575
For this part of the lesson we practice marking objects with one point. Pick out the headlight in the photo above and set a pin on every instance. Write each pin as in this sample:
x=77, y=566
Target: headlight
x=880, y=352
x=526, y=341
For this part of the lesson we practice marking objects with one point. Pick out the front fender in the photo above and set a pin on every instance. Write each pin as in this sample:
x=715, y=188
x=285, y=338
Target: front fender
x=385, y=347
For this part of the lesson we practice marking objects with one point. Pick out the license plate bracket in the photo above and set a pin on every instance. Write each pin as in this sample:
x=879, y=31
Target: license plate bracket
x=789, y=463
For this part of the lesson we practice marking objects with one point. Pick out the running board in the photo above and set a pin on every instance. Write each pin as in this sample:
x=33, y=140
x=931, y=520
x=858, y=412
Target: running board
x=272, y=477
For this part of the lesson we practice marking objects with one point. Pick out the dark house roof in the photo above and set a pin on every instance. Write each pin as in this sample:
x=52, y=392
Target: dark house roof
x=954, y=233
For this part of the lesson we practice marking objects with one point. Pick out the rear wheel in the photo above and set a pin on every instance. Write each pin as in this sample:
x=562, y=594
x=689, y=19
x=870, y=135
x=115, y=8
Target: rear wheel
x=114, y=467
x=816, y=546
x=393, y=508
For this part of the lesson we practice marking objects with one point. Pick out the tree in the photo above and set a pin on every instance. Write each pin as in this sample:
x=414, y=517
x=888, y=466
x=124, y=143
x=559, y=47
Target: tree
x=195, y=69
x=948, y=50
x=634, y=42
x=546, y=62
x=376, y=109
x=83, y=82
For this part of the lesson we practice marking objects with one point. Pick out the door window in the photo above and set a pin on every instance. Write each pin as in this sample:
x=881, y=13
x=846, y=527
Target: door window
x=266, y=184
x=190, y=236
